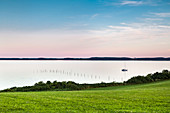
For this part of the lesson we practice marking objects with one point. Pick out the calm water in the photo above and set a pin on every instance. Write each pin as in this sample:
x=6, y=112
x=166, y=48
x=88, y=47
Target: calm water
x=21, y=73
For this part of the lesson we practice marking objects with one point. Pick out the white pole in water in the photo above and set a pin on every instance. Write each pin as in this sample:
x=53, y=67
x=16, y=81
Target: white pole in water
x=109, y=78
x=70, y=73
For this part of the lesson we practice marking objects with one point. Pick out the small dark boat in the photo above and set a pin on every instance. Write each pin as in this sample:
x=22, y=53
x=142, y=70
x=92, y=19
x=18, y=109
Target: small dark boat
x=124, y=70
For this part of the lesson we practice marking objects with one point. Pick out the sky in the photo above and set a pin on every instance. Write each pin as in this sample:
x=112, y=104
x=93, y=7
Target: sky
x=84, y=28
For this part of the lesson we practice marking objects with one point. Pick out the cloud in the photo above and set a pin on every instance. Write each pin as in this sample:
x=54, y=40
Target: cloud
x=123, y=23
x=152, y=19
x=119, y=28
x=164, y=26
x=134, y=3
x=126, y=38
x=93, y=16
x=135, y=38
x=162, y=14
x=134, y=31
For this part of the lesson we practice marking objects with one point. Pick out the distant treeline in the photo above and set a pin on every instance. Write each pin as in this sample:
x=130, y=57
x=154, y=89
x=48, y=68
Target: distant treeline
x=70, y=85
x=93, y=58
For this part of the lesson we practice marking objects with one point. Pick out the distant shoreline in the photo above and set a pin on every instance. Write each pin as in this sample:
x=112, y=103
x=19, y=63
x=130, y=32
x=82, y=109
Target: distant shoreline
x=96, y=59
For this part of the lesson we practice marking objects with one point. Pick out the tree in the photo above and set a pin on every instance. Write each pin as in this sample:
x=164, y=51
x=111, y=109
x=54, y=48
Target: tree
x=48, y=82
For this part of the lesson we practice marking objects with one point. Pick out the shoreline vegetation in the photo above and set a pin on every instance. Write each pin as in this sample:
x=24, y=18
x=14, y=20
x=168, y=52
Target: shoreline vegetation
x=95, y=59
x=72, y=86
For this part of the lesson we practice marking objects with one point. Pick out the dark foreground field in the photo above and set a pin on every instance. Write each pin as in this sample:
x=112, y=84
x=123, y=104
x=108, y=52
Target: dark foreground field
x=152, y=97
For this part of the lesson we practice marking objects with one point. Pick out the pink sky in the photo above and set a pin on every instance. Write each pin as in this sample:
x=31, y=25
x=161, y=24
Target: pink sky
x=111, y=41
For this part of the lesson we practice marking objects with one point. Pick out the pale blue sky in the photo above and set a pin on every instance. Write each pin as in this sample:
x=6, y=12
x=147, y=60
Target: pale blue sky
x=84, y=28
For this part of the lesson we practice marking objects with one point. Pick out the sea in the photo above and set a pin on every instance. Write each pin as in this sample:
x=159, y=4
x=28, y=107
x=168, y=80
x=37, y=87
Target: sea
x=28, y=72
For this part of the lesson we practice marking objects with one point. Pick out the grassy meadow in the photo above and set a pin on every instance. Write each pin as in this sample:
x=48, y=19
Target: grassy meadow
x=151, y=97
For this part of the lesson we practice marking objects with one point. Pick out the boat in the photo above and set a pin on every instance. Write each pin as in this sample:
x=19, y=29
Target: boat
x=124, y=70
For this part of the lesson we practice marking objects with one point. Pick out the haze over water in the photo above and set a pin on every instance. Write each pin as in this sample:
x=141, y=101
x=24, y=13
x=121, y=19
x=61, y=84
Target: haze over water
x=25, y=73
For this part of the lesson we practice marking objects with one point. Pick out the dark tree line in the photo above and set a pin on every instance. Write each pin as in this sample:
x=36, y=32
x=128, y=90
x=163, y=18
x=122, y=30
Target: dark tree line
x=58, y=86
x=70, y=85
x=158, y=76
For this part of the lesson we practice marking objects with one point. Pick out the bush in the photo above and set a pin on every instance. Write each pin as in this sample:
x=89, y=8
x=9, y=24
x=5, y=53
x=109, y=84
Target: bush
x=70, y=85
x=150, y=78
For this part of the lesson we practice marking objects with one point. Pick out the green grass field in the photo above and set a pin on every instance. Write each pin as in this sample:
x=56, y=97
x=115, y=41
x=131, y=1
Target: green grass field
x=152, y=97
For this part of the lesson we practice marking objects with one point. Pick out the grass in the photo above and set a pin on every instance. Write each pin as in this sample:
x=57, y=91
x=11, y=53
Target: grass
x=151, y=98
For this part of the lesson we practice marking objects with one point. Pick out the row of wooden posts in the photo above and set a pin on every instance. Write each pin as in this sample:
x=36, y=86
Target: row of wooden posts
x=70, y=73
